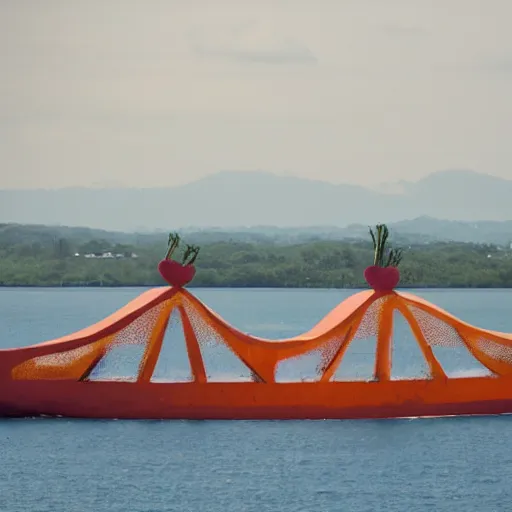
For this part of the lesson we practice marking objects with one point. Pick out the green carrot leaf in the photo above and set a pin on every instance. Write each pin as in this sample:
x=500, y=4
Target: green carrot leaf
x=383, y=257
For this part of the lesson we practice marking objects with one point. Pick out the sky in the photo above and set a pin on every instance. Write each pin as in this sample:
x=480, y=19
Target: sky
x=144, y=93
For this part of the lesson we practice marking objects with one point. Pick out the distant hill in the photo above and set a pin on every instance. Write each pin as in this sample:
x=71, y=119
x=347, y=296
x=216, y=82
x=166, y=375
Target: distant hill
x=231, y=199
x=416, y=231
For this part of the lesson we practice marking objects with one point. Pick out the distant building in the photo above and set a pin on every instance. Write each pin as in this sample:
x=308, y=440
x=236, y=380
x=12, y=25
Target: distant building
x=108, y=255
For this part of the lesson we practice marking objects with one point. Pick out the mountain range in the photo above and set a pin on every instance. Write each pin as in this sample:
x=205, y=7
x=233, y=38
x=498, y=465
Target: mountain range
x=240, y=199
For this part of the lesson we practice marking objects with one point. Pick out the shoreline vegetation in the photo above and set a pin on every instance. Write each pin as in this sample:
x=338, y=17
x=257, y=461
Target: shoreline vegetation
x=256, y=287
x=32, y=256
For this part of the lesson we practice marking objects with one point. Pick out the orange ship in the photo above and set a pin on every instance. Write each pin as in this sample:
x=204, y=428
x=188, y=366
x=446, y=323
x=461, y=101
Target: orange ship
x=54, y=378
x=63, y=377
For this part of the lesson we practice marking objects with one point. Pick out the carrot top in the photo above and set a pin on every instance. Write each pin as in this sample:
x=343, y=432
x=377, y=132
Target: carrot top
x=380, y=239
x=189, y=254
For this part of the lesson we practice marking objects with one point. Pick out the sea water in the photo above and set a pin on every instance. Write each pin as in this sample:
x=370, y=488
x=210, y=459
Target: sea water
x=438, y=464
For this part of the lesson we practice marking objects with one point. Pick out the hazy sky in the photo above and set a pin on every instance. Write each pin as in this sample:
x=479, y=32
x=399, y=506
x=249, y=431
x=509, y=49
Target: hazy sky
x=149, y=93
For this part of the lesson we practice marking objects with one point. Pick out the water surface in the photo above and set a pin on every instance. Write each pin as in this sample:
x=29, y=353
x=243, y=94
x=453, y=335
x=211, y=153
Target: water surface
x=389, y=465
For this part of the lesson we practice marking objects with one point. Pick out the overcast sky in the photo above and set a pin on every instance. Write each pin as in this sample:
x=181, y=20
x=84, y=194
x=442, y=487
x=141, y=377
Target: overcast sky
x=155, y=93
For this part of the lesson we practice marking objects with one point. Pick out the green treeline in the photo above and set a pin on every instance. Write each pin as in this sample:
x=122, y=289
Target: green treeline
x=29, y=257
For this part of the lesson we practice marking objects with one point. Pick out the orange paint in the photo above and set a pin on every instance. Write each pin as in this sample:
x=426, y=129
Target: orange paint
x=52, y=378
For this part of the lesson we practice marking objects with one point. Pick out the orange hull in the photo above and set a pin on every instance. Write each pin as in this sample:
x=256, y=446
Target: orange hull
x=231, y=401
x=56, y=378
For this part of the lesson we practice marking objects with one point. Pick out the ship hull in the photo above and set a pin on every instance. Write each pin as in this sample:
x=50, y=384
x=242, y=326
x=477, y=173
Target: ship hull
x=240, y=400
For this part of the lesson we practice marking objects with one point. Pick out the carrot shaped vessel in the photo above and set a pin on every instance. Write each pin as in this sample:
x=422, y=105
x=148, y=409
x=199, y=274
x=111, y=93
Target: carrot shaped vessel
x=60, y=377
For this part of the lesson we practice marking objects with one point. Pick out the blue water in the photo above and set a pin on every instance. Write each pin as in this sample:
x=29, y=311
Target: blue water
x=65, y=465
